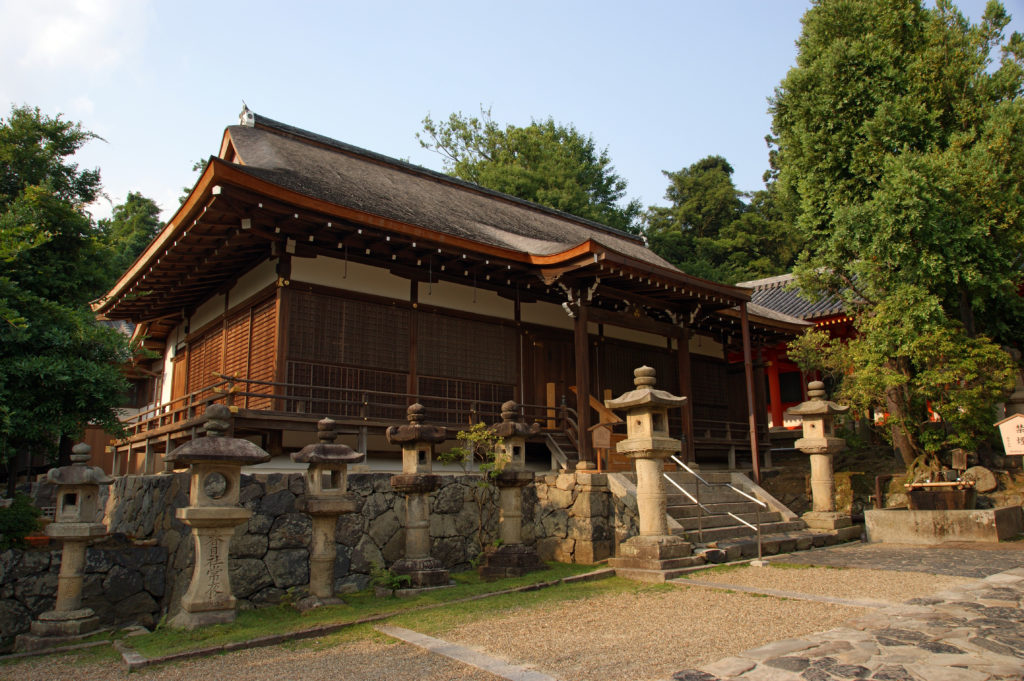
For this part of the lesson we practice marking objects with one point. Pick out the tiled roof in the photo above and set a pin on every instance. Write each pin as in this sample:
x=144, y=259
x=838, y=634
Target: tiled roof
x=781, y=294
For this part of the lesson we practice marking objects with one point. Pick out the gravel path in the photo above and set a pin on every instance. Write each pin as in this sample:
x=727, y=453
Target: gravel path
x=879, y=585
x=360, y=661
x=646, y=635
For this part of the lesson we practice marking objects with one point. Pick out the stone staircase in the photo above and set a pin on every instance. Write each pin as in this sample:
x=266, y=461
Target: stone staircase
x=718, y=537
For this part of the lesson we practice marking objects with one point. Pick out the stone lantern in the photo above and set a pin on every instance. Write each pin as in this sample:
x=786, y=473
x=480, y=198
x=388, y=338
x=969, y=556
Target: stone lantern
x=511, y=558
x=820, y=442
x=326, y=498
x=215, y=464
x=75, y=524
x=416, y=482
x=648, y=444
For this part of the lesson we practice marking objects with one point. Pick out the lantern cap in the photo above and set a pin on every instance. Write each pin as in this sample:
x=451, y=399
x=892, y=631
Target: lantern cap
x=216, y=446
x=818, y=405
x=416, y=430
x=512, y=424
x=79, y=472
x=645, y=394
x=326, y=451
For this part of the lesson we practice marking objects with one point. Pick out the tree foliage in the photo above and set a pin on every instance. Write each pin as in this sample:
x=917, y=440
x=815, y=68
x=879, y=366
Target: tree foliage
x=545, y=162
x=59, y=368
x=131, y=227
x=900, y=141
x=708, y=231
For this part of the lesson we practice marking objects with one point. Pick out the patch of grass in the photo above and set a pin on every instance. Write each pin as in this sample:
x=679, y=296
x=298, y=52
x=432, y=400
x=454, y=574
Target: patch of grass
x=716, y=570
x=252, y=624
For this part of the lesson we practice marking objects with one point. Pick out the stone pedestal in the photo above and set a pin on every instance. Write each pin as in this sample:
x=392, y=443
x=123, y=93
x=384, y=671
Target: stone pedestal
x=511, y=558
x=653, y=554
x=416, y=482
x=591, y=520
x=215, y=465
x=820, y=444
x=326, y=498
x=422, y=569
x=74, y=525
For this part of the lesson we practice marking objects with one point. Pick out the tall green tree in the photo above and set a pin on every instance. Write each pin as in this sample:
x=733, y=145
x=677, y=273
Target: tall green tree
x=545, y=162
x=900, y=136
x=130, y=228
x=708, y=231
x=59, y=368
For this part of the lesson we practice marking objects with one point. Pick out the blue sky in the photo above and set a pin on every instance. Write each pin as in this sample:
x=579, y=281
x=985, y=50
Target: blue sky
x=660, y=84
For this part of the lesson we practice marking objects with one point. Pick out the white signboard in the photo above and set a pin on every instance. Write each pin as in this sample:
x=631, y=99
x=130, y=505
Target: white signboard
x=1011, y=432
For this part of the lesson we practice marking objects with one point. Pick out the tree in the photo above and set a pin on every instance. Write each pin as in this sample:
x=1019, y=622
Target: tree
x=545, y=162
x=900, y=141
x=704, y=201
x=59, y=368
x=709, y=231
x=131, y=227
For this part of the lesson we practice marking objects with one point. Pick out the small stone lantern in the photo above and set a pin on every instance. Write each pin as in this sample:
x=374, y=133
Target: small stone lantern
x=416, y=482
x=511, y=558
x=215, y=463
x=648, y=443
x=75, y=524
x=819, y=441
x=326, y=498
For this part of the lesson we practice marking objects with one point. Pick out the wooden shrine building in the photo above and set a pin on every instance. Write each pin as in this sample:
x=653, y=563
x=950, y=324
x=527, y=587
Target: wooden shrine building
x=304, y=278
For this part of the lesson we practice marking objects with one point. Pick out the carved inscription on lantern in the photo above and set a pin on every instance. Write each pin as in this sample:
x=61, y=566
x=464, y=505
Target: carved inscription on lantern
x=214, y=572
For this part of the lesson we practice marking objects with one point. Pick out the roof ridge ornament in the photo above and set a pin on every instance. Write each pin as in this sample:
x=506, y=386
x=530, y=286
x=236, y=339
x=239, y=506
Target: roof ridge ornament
x=246, y=117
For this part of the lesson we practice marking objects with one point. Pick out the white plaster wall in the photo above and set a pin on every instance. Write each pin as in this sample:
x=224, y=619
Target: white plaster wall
x=173, y=338
x=633, y=336
x=546, y=314
x=207, y=312
x=458, y=297
x=702, y=345
x=252, y=282
x=361, y=278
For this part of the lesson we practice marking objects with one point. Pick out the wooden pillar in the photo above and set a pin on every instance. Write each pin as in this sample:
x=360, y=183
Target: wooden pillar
x=412, y=385
x=582, y=342
x=748, y=366
x=774, y=389
x=686, y=390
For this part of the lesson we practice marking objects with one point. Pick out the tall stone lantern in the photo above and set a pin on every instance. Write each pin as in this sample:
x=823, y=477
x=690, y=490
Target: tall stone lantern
x=511, y=558
x=215, y=467
x=648, y=444
x=416, y=482
x=326, y=498
x=819, y=441
x=75, y=524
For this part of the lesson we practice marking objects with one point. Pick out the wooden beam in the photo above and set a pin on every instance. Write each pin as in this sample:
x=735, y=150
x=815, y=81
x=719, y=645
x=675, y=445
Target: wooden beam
x=686, y=390
x=628, y=321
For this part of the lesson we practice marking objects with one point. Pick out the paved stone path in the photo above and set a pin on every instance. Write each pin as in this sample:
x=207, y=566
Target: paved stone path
x=974, y=632
x=959, y=559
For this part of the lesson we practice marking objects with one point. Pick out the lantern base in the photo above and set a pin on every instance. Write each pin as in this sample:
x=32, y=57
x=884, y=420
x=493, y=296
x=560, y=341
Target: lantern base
x=421, y=572
x=64, y=623
x=826, y=520
x=653, y=558
x=201, y=618
x=509, y=560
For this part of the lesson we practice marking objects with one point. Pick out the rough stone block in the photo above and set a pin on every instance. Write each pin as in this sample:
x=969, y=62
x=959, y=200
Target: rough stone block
x=288, y=567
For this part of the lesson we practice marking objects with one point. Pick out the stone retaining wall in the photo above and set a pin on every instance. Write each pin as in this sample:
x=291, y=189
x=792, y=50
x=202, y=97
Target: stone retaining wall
x=123, y=582
x=569, y=517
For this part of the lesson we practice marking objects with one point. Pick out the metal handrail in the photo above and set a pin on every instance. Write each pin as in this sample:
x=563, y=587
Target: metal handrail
x=701, y=507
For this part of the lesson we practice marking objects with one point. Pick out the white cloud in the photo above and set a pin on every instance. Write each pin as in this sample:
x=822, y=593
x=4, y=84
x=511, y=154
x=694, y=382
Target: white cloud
x=82, y=106
x=80, y=36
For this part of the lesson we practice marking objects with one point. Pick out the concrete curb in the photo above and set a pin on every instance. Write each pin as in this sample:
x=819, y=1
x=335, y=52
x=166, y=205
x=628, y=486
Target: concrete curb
x=459, y=653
